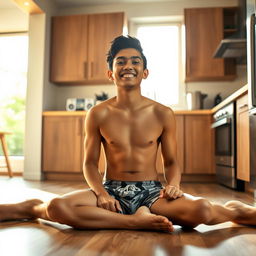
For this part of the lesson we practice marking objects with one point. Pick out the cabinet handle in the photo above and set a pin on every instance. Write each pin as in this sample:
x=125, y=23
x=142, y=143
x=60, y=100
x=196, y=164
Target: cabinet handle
x=80, y=127
x=91, y=73
x=243, y=106
x=85, y=69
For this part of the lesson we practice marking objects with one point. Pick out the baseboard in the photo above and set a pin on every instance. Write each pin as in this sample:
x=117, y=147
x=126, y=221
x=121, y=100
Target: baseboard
x=14, y=173
x=32, y=176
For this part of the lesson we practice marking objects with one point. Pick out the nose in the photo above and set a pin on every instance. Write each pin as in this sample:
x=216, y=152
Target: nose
x=128, y=65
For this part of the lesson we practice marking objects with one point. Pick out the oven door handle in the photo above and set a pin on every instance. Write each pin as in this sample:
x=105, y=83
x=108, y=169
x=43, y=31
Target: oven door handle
x=221, y=122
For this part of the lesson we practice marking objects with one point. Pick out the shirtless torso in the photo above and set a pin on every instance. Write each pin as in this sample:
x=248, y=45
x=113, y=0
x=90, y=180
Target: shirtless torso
x=131, y=138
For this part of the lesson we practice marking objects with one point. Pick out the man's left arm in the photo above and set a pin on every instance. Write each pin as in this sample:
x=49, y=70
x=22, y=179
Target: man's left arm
x=169, y=153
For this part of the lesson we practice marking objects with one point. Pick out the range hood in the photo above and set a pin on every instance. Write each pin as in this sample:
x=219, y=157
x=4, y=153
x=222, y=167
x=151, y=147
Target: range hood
x=235, y=45
x=231, y=48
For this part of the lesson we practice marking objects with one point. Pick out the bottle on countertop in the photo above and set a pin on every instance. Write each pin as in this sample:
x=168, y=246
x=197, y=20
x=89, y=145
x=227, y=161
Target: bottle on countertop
x=217, y=99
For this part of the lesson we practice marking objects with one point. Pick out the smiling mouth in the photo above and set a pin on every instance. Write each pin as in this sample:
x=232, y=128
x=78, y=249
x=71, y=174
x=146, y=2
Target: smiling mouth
x=128, y=75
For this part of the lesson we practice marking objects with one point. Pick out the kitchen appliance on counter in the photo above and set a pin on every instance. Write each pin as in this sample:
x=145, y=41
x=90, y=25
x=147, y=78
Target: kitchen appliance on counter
x=76, y=104
x=251, y=64
x=225, y=147
x=195, y=100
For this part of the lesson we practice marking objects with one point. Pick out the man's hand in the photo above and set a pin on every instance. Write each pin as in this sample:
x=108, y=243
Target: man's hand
x=171, y=192
x=109, y=203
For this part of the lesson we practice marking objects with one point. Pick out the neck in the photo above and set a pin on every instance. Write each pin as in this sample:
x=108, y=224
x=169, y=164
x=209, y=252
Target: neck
x=128, y=98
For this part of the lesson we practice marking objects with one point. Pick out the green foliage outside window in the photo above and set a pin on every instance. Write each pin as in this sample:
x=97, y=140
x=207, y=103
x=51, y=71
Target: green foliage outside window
x=13, y=120
x=13, y=83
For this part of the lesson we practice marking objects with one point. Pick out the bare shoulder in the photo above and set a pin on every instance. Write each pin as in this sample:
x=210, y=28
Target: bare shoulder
x=99, y=112
x=163, y=113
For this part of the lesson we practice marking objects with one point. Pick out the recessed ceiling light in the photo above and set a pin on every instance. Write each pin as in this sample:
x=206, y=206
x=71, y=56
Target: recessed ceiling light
x=26, y=3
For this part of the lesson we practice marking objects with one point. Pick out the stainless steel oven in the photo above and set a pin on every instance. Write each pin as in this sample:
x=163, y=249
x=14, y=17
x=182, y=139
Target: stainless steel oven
x=225, y=147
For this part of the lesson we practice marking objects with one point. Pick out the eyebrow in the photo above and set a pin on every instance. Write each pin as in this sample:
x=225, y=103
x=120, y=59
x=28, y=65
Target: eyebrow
x=125, y=58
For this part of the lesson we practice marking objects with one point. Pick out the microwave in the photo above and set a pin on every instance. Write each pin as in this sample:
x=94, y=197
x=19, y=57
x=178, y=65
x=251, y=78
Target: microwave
x=79, y=104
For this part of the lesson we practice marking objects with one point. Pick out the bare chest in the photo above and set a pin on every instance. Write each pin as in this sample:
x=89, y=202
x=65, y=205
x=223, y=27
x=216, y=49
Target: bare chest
x=134, y=130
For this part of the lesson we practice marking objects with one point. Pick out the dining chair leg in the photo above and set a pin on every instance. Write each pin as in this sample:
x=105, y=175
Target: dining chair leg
x=5, y=151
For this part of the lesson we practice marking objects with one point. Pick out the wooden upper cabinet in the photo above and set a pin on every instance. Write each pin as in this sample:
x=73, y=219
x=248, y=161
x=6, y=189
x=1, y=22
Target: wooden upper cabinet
x=69, y=48
x=204, y=31
x=79, y=45
x=243, y=144
x=198, y=145
x=103, y=29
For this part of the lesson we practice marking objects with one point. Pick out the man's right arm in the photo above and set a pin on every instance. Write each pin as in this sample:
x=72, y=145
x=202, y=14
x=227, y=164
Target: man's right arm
x=92, y=146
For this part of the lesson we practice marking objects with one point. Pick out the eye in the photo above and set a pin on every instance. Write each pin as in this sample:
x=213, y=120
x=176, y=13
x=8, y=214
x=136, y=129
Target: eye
x=135, y=62
x=120, y=62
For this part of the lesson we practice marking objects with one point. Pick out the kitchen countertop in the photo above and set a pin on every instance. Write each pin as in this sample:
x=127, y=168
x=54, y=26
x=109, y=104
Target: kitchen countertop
x=82, y=113
x=232, y=97
x=229, y=99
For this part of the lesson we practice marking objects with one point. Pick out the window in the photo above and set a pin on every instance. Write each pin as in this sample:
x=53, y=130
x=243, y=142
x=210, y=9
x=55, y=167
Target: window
x=162, y=47
x=13, y=83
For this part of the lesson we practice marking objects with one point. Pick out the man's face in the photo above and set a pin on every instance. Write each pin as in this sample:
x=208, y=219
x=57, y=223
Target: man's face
x=128, y=69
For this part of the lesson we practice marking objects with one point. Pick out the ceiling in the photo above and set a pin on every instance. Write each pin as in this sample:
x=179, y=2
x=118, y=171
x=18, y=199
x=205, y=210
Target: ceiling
x=5, y=4
x=66, y=3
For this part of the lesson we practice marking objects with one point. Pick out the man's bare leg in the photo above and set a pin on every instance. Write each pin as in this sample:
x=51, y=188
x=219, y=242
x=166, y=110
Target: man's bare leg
x=190, y=211
x=79, y=210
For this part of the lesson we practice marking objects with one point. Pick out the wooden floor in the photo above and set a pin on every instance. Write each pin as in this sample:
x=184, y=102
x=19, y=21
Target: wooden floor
x=46, y=238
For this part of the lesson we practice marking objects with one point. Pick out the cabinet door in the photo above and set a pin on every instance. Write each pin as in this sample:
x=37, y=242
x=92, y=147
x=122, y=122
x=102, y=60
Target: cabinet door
x=204, y=31
x=69, y=48
x=180, y=146
x=198, y=145
x=243, y=170
x=62, y=144
x=103, y=28
x=180, y=140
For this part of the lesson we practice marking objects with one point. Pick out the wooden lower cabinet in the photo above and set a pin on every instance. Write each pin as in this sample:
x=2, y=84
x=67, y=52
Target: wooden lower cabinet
x=199, y=150
x=242, y=117
x=195, y=145
x=63, y=148
x=63, y=144
x=180, y=146
x=63, y=151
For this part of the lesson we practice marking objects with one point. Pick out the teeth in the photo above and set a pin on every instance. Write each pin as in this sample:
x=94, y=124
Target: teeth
x=128, y=75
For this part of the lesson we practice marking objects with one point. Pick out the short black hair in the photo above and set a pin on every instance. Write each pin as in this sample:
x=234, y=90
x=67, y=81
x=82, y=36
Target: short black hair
x=124, y=42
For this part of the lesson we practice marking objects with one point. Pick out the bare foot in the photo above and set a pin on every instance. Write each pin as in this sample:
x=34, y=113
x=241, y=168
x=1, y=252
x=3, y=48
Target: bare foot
x=23, y=210
x=144, y=219
x=246, y=214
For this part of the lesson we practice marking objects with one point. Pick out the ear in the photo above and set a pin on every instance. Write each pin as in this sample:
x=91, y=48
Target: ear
x=110, y=75
x=145, y=73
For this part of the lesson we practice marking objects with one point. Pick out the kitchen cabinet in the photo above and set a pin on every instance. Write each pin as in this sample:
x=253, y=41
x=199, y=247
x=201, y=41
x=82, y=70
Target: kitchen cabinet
x=195, y=144
x=199, y=150
x=79, y=44
x=205, y=28
x=180, y=146
x=63, y=144
x=242, y=117
x=63, y=136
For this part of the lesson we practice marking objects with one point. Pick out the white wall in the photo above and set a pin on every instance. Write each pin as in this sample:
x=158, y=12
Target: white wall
x=149, y=10
x=40, y=93
x=13, y=20
x=213, y=88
